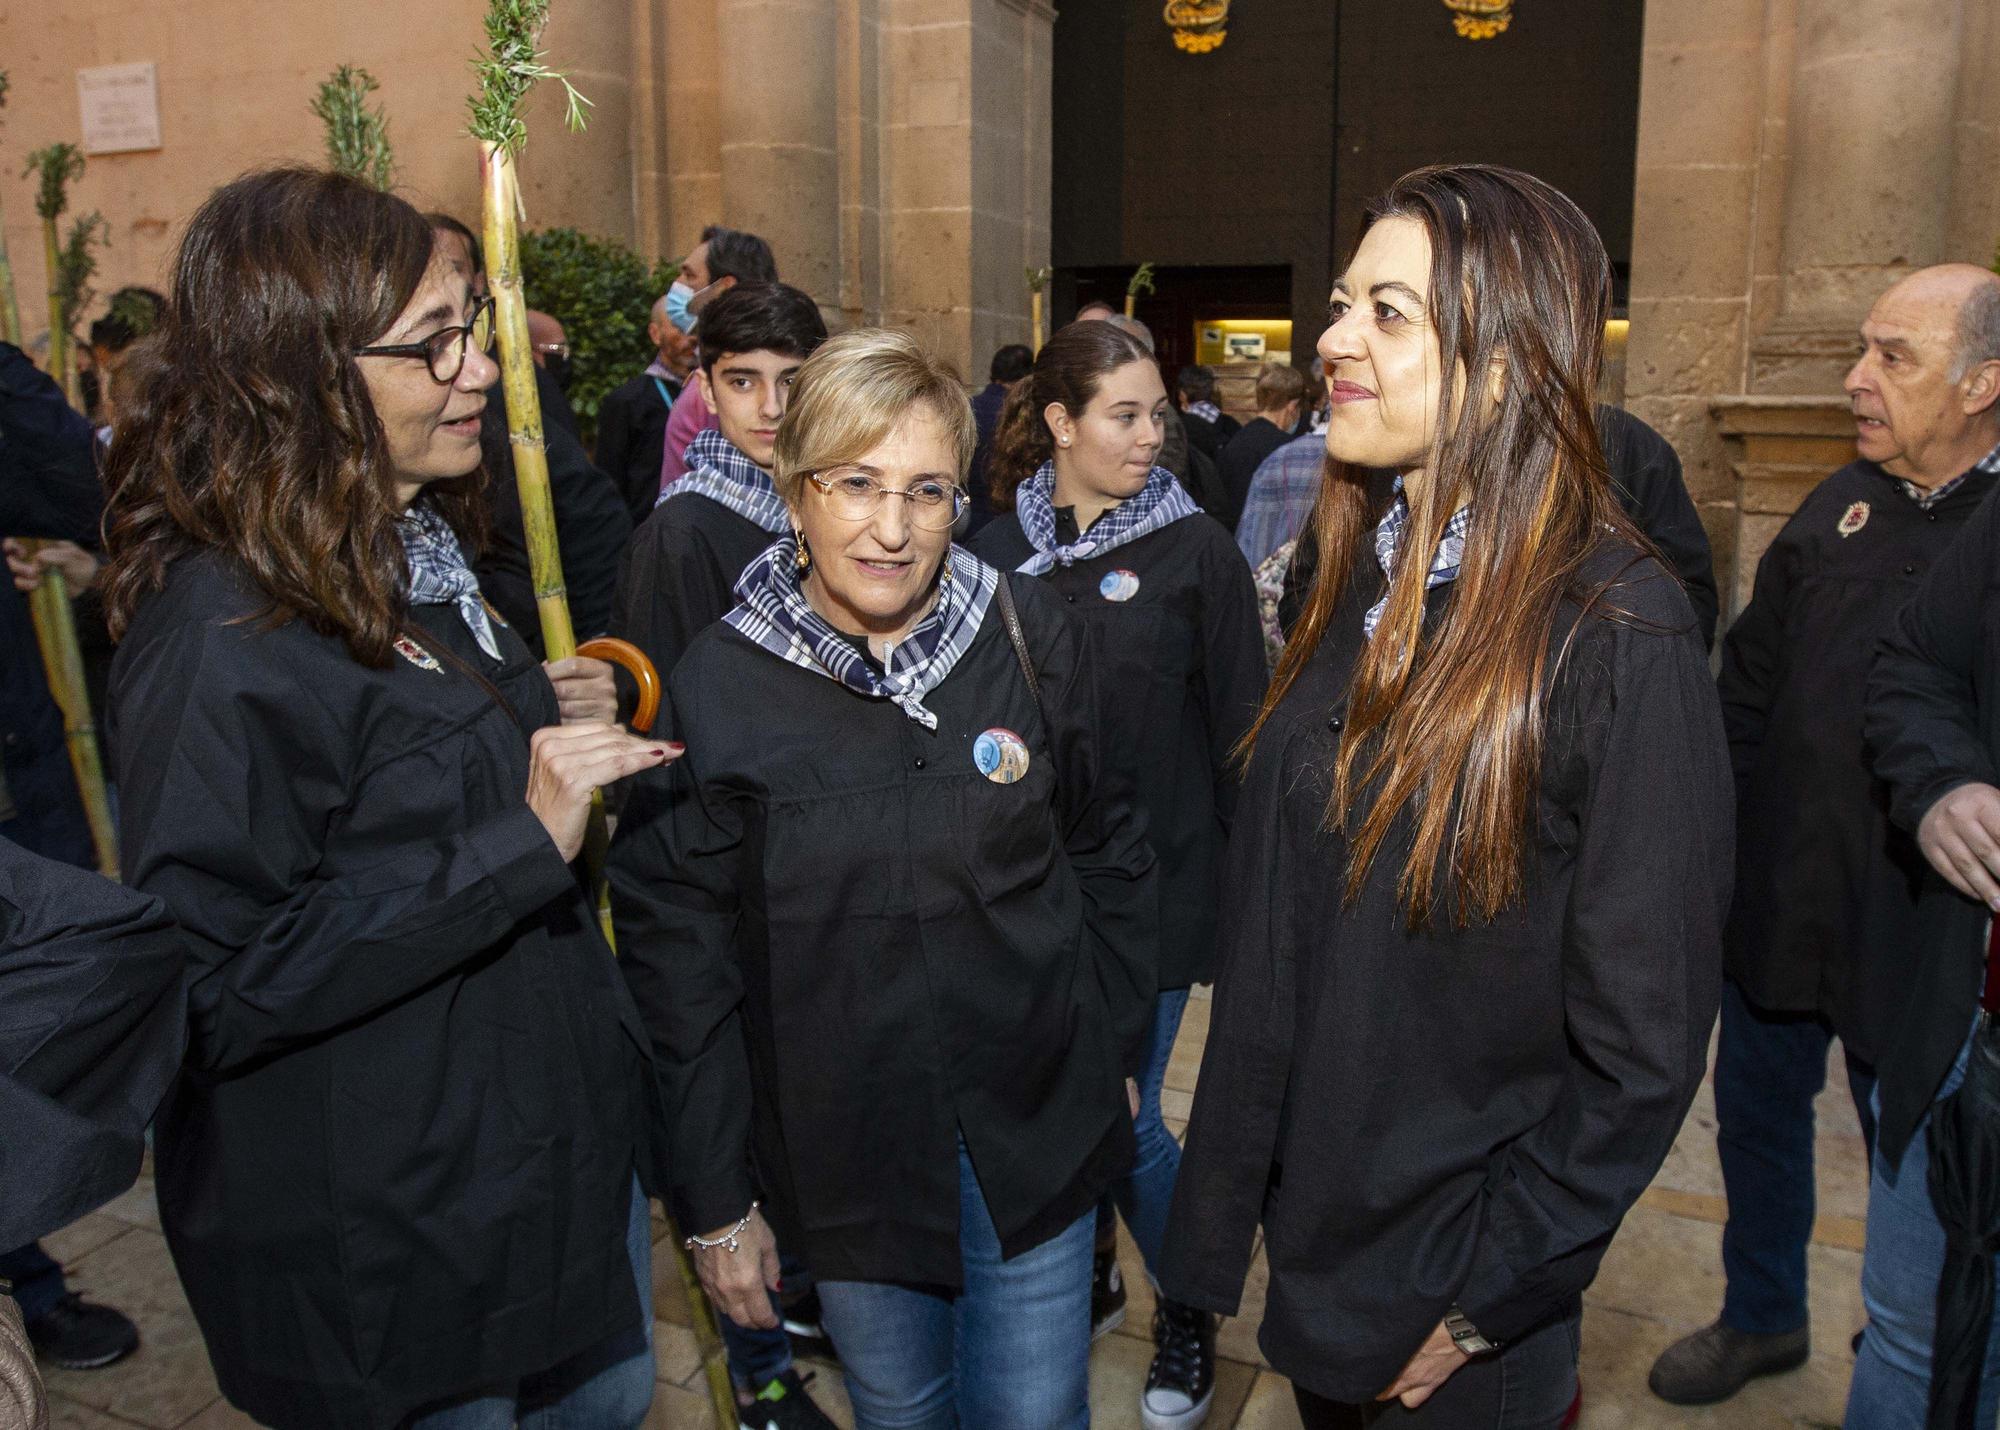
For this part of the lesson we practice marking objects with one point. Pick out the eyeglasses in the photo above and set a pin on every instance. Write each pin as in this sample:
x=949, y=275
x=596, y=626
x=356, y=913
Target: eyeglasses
x=856, y=496
x=443, y=351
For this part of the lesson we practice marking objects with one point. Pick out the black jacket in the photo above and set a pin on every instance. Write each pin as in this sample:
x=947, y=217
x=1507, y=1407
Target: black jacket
x=679, y=575
x=1180, y=672
x=398, y=1165
x=851, y=948
x=1932, y=724
x=1459, y=1115
x=592, y=525
x=631, y=436
x=1825, y=908
x=1244, y=453
x=90, y=978
x=1210, y=437
x=48, y=488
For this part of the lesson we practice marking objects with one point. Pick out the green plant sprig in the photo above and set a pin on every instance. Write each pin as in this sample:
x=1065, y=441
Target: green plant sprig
x=1142, y=281
x=59, y=165
x=357, y=136
x=511, y=67
x=1038, y=278
x=76, y=264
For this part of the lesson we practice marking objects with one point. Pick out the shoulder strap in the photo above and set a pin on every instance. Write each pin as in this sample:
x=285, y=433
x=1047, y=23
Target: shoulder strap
x=1019, y=639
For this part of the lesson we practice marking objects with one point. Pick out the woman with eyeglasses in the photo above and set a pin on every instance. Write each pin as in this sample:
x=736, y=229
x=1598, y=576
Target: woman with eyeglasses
x=892, y=940
x=1169, y=617
x=398, y=1170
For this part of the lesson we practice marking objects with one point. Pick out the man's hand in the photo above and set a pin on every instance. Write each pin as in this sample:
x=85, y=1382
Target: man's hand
x=1960, y=835
x=1435, y=1362
x=79, y=567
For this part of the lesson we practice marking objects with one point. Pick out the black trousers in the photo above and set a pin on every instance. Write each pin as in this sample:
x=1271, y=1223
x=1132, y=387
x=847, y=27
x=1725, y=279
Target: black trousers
x=1524, y=1386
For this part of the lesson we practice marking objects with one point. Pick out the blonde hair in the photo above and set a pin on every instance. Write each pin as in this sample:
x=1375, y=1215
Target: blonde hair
x=853, y=393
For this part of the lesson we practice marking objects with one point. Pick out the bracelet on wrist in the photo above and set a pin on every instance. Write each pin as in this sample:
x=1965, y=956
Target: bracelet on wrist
x=728, y=1240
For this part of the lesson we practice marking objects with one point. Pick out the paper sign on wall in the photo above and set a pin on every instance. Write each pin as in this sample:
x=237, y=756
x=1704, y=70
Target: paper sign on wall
x=121, y=108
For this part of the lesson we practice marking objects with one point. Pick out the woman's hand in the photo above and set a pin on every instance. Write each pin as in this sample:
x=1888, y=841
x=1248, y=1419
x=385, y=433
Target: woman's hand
x=1435, y=1362
x=1960, y=835
x=740, y=1282
x=584, y=689
x=567, y=763
x=79, y=567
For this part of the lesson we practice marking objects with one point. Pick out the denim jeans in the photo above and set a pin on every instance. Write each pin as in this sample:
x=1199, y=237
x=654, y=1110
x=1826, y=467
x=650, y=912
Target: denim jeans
x=1146, y=1194
x=38, y=1280
x=1011, y=1351
x=1768, y=1069
x=757, y=1356
x=1899, y=1285
x=1526, y=1385
x=608, y=1387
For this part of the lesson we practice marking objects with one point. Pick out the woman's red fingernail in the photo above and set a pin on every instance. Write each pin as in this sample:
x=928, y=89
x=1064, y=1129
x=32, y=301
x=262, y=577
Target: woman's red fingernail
x=675, y=746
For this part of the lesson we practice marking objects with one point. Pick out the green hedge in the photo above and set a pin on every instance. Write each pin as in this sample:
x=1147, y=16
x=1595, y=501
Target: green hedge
x=603, y=293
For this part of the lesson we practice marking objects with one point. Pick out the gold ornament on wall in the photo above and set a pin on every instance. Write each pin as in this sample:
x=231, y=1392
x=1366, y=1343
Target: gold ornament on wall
x=1480, y=19
x=1198, y=25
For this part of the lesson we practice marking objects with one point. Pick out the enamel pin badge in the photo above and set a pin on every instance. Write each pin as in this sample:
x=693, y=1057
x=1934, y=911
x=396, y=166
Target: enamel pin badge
x=415, y=654
x=1853, y=519
x=1000, y=755
x=1119, y=585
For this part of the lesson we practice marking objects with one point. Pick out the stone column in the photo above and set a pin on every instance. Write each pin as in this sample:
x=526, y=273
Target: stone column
x=690, y=109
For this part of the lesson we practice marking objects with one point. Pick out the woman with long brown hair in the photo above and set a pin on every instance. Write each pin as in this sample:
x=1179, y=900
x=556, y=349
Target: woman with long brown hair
x=397, y=1172
x=1471, y=948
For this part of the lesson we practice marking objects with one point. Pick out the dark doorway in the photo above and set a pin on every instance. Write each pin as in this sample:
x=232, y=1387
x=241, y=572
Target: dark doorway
x=1185, y=298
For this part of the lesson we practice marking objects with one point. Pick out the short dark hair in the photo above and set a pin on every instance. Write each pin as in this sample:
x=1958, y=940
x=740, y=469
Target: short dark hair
x=1197, y=383
x=1012, y=363
x=732, y=253
x=760, y=317
x=445, y=220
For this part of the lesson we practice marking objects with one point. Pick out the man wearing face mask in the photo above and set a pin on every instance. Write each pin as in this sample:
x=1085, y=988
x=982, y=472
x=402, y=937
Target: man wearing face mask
x=632, y=418
x=723, y=258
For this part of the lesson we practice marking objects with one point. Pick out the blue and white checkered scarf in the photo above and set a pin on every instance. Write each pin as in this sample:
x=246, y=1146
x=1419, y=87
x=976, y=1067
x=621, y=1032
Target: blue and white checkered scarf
x=438, y=572
x=776, y=615
x=1389, y=540
x=1161, y=502
x=718, y=471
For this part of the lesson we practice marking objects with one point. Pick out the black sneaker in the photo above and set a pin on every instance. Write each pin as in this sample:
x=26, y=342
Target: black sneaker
x=1107, y=1295
x=801, y=1321
x=784, y=1405
x=1181, y=1383
x=79, y=1336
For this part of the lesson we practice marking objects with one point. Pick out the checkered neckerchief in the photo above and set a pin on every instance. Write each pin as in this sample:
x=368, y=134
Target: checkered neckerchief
x=1389, y=540
x=718, y=471
x=1161, y=502
x=438, y=572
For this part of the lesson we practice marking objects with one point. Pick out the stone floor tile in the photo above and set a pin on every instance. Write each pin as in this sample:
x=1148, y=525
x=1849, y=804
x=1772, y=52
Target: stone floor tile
x=1619, y=1350
x=1175, y=1105
x=221, y=1416
x=1118, y=1366
x=676, y=1357
x=1185, y=1063
x=828, y=1389
x=67, y=1414
x=168, y=1379
x=1237, y=1340
x=1270, y=1406
x=83, y=1236
x=670, y=1303
x=138, y=1206
x=677, y=1409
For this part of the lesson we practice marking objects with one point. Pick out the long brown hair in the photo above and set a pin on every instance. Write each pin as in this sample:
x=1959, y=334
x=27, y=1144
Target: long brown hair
x=1447, y=721
x=248, y=429
x=1070, y=368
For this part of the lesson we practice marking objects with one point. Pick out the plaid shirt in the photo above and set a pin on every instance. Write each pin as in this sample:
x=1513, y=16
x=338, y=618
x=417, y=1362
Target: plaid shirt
x=1281, y=497
x=1161, y=502
x=1389, y=540
x=718, y=471
x=438, y=573
x=1925, y=500
x=775, y=614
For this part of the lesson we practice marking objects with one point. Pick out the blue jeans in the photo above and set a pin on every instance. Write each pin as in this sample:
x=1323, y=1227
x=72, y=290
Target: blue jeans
x=1899, y=1285
x=608, y=1387
x=38, y=1281
x=1011, y=1351
x=1146, y=1194
x=1768, y=1069
x=757, y=1356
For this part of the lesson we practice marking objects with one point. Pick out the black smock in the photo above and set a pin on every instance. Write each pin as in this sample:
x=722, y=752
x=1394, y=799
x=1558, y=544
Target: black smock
x=398, y=1164
x=1459, y=1116
x=1932, y=723
x=1180, y=674
x=1826, y=887
x=92, y=1030
x=851, y=948
x=679, y=576
x=632, y=437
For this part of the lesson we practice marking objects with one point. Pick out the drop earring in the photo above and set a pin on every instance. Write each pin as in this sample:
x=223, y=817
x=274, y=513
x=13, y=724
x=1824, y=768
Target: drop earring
x=804, y=558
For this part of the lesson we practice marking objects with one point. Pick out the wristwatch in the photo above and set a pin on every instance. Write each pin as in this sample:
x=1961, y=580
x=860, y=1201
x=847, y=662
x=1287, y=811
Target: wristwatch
x=1465, y=1335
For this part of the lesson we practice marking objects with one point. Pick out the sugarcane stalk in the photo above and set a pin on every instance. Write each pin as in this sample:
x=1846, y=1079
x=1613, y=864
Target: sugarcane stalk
x=10, y=309
x=1141, y=282
x=508, y=70
x=1038, y=279
x=62, y=658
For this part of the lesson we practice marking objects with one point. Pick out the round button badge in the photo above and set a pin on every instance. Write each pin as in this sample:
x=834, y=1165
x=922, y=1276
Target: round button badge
x=1000, y=755
x=1119, y=585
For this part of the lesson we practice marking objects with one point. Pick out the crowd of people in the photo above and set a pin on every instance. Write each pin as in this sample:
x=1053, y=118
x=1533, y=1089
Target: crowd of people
x=994, y=725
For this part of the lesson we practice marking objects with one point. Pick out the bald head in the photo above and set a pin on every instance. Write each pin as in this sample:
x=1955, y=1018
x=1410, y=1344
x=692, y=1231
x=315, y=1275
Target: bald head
x=1133, y=326
x=1963, y=294
x=1926, y=389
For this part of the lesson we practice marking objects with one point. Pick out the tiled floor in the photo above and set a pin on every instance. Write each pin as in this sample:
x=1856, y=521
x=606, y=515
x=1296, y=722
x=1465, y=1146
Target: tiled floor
x=1660, y=1280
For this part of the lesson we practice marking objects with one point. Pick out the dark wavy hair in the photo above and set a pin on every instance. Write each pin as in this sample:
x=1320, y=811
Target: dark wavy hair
x=1072, y=366
x=1446, y=720
x=247, y=428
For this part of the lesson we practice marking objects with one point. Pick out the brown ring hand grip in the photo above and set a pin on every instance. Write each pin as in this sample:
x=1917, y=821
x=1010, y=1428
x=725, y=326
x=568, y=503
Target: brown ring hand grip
x=634, y=660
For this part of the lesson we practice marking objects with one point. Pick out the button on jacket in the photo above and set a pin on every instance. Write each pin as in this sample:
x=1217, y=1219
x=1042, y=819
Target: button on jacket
x=1459, y=1116
x=1825, y=909
x=1179, y=669
x=398, y=1164
x=850, y=947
